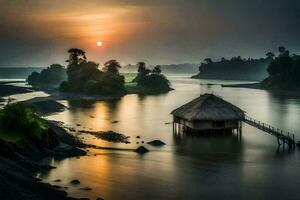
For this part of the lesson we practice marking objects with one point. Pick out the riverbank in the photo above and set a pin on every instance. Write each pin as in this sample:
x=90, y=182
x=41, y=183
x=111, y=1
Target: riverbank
x=19, y=162
x=246, y=85
x=6, y=90
x=259, y=86
x=18, y=182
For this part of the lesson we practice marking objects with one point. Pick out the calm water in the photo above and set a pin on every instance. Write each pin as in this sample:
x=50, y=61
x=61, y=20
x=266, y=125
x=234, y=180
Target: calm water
x=186, y=168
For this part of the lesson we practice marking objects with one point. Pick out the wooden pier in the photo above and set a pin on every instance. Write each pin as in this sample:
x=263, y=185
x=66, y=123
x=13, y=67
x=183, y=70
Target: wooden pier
x=282, y=137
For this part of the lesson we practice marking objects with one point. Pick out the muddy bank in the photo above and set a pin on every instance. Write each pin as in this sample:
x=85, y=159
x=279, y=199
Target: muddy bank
x=45, y=105
x=6, y=90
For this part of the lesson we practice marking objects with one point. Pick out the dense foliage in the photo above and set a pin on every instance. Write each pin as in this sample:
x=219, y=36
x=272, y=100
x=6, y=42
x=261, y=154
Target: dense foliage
x=85, y=77
x=236, y=68
x=53, y=75
x=151, y=79
x=284, y=71
x=20, y=119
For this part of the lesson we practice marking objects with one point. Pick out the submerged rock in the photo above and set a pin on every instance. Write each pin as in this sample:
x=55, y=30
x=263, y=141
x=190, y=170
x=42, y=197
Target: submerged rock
x=86, y=188
x=64, y=150
x=75, y=182
x=298, y=143
x=156, y=143
x=141, y=150
x=109, y=136
x=57, y=180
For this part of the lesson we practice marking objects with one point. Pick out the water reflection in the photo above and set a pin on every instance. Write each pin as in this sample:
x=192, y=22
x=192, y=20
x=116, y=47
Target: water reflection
x=187, y=167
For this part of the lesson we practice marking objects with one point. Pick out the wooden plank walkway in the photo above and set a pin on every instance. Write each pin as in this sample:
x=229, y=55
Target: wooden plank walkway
x=283, y=137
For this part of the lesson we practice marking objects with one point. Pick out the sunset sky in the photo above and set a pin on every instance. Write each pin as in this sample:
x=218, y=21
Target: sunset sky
x=38, y=32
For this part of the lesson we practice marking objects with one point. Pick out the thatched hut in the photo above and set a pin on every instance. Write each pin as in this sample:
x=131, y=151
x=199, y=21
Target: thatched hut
x=208, y=113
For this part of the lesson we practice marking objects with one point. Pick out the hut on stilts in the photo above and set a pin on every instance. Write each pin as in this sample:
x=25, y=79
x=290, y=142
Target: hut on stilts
x=208, y=114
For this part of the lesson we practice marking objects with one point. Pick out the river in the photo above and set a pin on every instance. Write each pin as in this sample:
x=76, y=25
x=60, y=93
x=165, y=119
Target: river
x=218, y=167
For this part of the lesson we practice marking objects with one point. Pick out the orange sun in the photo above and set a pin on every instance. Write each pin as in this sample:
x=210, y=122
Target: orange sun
x=99, y=43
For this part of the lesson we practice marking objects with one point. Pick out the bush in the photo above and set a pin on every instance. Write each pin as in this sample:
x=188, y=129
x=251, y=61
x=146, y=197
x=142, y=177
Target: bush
x=53, y=75
x=22, y=120
x=152, y=79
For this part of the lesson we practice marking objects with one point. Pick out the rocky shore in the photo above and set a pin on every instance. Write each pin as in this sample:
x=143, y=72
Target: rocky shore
x=19, y=163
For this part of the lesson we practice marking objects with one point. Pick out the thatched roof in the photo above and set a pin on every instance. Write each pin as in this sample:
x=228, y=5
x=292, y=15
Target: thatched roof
x=208, y=107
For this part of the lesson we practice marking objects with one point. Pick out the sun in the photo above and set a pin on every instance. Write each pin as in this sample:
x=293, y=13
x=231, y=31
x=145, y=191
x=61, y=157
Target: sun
x=99, y=43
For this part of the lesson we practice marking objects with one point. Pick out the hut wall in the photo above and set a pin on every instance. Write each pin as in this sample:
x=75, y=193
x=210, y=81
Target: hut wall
x=212, y=125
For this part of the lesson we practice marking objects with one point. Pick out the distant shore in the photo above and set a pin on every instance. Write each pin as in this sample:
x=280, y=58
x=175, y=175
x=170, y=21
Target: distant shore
x=258, y=86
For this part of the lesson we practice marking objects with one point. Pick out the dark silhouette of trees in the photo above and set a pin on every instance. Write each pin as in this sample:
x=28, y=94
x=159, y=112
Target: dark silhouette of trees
x=152, y=79
x=76, y=56
x=157, y=69
x=270, y=55
x=284, y=71
x=112, y=66
x=85, y=76
x=235, y=68
x=51, y=76
x=208, y=60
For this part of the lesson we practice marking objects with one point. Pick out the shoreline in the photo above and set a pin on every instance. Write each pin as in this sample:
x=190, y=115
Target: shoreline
x=20, y=162
x=258, y=86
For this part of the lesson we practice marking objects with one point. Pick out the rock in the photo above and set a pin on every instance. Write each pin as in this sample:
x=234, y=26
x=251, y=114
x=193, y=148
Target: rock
x=114, y=122
x=141, y=150
x=137, y=142
x=47, y=106
x=84, y=199
x=75, y=182
x=57, y=180
x=156, y=143
x=78, y=124
x=138, y=136
x=64, y=150
x=99, y=198
x=143, y=142
x=57, y=186
x=298, y=143
x=86, y=188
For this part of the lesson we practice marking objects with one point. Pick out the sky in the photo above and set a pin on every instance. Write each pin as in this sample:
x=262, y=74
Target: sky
x=38, y=33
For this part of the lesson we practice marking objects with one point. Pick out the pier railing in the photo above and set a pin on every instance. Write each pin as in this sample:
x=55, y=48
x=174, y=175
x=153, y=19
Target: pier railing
x=284, y=137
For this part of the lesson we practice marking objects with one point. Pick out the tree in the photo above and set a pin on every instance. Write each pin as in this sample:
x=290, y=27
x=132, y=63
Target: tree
x=153, y=80
x=208, y=60
x=270, y=55
x=76, y=56
x=157, y=69
x=112, y=66
x=281, y=49
x=51, y=76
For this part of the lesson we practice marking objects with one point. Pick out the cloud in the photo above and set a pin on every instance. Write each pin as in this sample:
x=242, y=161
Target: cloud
x=158, y=31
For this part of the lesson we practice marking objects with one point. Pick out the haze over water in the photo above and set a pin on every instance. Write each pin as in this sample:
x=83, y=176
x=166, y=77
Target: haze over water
x=186, y=168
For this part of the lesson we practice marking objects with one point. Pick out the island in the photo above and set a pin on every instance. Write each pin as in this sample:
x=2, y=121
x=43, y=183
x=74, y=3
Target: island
x=283, y=73
x=85, y=78
x=236, y=68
